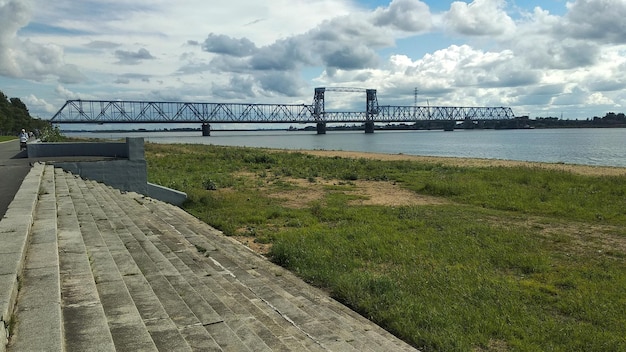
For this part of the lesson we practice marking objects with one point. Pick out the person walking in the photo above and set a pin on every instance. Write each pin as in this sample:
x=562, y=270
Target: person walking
x=23, y=139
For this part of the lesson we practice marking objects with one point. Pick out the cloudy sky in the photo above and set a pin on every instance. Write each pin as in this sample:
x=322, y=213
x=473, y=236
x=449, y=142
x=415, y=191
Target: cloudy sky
x=540, y=57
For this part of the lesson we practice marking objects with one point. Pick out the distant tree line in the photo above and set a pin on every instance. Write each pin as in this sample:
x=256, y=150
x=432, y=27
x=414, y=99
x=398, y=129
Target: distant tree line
x=610, y=119
x=611, y=116
x=14, y=116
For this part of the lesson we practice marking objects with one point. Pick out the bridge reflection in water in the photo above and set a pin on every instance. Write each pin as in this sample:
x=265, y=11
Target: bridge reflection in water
x=118, y=111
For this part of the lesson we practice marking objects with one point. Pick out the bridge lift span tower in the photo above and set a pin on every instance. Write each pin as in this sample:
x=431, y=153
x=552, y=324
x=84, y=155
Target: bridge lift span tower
x=319, y=112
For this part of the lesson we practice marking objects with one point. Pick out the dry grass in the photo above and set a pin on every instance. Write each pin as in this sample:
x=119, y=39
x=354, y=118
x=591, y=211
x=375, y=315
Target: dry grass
x=305, y=192
x=368, y=192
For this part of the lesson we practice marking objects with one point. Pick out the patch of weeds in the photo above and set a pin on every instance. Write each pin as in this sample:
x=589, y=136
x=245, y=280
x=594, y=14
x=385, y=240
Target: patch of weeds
x=317, y=209
x=293, y=222
x=200, y=249
x=616, y=254
x=259, y=158
x=250, y=231
x=350, y=176
x=11, y=325
x=274, y=214
x=209, y=185
x=267, y=239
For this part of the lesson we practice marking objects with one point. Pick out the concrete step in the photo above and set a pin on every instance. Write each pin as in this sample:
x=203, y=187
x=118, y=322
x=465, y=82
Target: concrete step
x=330, y=324
x=233, y=272
x=182, y=255
x=85, y=322
x=127, y=328
x=39, y=324
x=186, y=307
x=149, y=310
x=300, y=306
x=15, y=229
x=164, y=259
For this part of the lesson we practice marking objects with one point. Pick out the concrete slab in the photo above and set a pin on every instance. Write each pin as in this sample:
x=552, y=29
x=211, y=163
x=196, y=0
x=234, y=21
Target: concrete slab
x=11, y=263
x=85, y=330
x=127, y=328
x=42, y=255
x=38, y=330
x=13, y=240
x=8, y=293
x=39, y=326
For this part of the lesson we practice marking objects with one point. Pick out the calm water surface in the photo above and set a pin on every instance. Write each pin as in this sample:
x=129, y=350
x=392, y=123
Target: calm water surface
x=606, y=146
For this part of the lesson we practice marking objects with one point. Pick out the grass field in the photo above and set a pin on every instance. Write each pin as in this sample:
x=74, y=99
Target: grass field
x=7, y=138
x=447, y=257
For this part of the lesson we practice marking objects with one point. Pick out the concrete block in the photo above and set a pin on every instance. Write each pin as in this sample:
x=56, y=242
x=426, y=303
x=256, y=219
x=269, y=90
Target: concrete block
x=66, y=149
x=132, y=149
x=12, y=244
x=39, y=329
x=8, y=296
x=165, y=194
x=126, y=175
x=135, y=148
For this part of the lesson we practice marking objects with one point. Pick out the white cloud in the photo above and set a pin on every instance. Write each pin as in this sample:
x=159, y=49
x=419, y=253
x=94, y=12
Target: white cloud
x=24, y=58
x=38, y=104
x=479, y=18
x=66, y=93
x=405, y=15
x=599, y=99
x=13, y=16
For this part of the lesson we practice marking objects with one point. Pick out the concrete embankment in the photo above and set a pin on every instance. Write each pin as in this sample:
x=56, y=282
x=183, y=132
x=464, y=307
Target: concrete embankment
x=87, y=267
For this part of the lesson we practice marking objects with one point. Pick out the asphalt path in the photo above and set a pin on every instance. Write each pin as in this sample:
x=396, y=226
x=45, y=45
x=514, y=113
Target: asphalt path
x=14, y=165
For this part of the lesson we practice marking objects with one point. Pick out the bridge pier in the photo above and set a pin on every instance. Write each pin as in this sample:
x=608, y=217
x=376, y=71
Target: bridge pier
x=468, y=124
x=206, y=129
x=369, y=127
x=449, y=125
x=321, y=128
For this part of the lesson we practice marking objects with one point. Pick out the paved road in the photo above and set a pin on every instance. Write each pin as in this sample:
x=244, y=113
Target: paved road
x=14, y=165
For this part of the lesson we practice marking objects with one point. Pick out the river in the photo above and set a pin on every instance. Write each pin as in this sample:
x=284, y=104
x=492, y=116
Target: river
x=585, y=146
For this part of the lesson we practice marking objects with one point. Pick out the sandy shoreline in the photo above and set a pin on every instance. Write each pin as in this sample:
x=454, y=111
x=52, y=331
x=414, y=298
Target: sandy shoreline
x=578, y=169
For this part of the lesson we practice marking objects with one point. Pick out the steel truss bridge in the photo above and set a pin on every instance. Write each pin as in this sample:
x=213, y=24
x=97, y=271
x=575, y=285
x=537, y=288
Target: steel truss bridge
x=118, y=111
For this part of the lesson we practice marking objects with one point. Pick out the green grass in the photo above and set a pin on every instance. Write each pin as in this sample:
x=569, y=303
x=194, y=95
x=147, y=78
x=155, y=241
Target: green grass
x=7, y=138
x=516, y=259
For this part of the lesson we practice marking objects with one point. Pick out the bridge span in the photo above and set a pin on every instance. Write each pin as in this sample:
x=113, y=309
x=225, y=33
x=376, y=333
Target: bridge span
x=120, y=111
